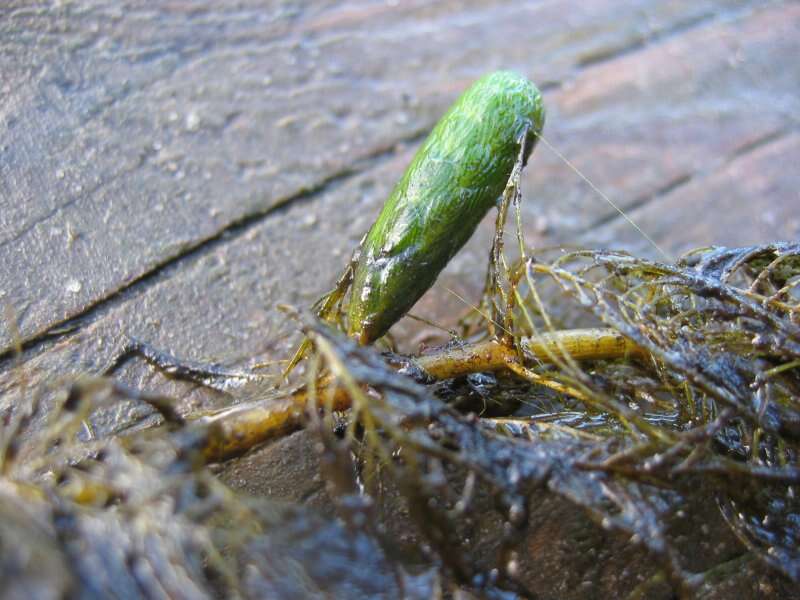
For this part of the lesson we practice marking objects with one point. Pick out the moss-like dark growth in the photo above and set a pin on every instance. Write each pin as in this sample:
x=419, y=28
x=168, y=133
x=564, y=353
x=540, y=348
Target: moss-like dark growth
x=704, y=389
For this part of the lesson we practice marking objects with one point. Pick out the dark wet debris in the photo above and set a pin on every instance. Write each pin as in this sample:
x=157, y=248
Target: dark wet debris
x=710, y=418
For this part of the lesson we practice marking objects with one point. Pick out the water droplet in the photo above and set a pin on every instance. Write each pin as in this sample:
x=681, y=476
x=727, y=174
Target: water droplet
x=512, y=567
x=192, y=121
x=516, y=514
x=74, y=286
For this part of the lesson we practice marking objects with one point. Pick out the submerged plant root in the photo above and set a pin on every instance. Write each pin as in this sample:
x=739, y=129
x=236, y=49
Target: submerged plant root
x=691, y=373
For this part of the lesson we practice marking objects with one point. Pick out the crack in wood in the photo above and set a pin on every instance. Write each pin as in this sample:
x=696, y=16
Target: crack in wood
x=685, y=179
x=57, y=330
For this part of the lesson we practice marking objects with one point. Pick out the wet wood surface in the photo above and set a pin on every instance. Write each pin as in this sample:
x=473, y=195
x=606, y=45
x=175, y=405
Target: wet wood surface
x=174, y=171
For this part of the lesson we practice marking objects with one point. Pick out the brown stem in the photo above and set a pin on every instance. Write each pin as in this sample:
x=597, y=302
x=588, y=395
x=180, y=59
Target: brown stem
x=237, y=429
x=579, y=344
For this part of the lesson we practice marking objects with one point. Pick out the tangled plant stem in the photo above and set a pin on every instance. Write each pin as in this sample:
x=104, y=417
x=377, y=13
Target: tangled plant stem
x=240, y=428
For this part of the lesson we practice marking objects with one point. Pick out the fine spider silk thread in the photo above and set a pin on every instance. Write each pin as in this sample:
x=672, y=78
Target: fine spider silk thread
x=605, y=197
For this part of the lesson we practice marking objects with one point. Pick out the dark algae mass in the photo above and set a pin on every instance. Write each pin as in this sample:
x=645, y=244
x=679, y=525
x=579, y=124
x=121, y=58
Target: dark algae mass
x=601, y=418
x=457, y=175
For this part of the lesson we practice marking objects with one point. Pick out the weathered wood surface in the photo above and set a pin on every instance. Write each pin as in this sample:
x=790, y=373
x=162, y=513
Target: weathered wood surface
x=147, y=148
x=173, y=171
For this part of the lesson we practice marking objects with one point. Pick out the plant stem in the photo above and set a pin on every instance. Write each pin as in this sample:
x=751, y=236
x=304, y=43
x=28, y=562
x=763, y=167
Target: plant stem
x=239, y=428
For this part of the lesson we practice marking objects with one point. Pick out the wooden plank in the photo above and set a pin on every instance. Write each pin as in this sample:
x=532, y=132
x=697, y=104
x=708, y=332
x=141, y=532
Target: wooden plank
x=753, y=199
x=652, y=120
x=218, y=302
x=134, y=132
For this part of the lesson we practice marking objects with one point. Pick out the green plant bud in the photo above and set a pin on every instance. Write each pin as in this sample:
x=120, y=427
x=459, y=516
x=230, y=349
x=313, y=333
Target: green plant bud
x=457, y=175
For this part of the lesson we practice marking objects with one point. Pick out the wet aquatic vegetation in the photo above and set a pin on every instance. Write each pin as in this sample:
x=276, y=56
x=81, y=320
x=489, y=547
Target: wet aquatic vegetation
x=699, y=404
x=690, y=400
x=455, y=178
x=141, y=516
